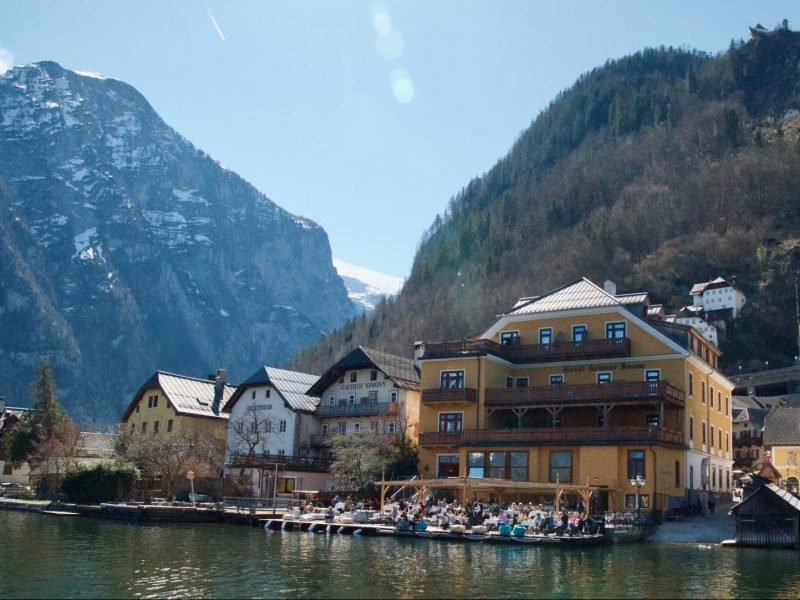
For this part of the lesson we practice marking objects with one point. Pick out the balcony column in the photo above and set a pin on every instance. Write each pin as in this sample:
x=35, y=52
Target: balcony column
x=520, y=412
x=554, y=412
x=606, y=409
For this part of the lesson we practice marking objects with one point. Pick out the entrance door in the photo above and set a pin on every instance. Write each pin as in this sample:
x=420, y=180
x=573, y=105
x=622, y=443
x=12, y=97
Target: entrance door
x=599, y=503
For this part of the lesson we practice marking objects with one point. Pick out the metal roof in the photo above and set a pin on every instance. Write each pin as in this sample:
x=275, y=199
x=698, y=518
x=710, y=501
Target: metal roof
x=790, y=499
x=292, y=386
x=699, y=288
x=187, y=395
x=581, y=294
x=636, y=298
x=400, y=370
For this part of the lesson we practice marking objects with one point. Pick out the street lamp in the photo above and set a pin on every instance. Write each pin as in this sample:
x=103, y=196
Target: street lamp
x=638, y=482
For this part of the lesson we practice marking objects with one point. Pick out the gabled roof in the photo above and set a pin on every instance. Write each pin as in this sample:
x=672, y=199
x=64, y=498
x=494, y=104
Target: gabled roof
x=699, y=288
x=635, y=298
x=774, y=490
x=290, y=385
x=187, y=395
x=782, y=427
x=579, y=294
x=754, y=416
x=400, y=370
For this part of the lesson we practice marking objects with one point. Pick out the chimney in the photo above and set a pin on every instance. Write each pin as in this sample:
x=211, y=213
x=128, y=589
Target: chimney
x=219, y=390
x=419, y=352
x=610, y=287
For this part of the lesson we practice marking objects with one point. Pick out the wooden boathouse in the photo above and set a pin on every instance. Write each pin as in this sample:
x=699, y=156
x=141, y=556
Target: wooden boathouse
x=768, y=517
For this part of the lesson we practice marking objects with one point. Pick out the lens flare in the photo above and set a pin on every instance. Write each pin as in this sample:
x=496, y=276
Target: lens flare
x=402, y=86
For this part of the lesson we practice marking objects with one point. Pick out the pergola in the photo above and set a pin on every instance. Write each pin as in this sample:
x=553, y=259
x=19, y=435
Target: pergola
x=473, y=486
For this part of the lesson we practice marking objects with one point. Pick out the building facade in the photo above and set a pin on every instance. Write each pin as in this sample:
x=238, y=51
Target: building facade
x=782, y=445
x=271, y=424
x=578, y=386
x=9, y=417
x=718, y=295
x=367, y=390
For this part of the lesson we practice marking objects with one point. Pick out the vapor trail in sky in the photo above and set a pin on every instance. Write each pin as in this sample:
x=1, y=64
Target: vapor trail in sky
x=215, y=24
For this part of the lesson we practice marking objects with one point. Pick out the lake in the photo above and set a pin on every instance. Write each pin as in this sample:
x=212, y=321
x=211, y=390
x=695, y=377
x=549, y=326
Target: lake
x=73, y=556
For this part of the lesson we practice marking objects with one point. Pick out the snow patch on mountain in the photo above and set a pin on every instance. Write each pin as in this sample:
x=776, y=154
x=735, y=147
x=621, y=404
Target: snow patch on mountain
x=366, y=287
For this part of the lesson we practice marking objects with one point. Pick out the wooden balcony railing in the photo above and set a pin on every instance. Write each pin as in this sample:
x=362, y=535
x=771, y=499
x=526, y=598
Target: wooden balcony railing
x=747, y=440
x=358, y=410
x=289, y=461
x=450, y=395
x=527, y=353
x=585, y=436
x=585, y=393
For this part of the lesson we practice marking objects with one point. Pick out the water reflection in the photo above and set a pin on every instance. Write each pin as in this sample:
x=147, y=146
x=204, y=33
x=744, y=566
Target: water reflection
x=44, y=556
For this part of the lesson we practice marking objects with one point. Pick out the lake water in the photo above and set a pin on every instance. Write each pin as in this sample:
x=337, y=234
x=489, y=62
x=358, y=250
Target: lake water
x=73, y=556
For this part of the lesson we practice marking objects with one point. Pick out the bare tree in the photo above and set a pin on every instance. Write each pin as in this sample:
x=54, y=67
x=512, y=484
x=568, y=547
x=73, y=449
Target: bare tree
x=360, y=458
x=248, y=431
x=171, y=456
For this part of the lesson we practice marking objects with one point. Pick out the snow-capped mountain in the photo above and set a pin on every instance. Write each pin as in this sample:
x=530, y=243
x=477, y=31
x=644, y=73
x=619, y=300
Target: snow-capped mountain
x=366, y=287
x=123, y=249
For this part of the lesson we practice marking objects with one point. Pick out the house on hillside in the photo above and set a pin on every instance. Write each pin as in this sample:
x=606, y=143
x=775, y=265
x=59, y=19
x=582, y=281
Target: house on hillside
x=718, y=297
x=782, y=442
x=272, y=421
x=367, y=390
x=695, y=317
x=748, y=433
x=579, y=386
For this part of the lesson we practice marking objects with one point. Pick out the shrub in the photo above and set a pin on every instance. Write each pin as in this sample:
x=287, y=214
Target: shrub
x=98, y=484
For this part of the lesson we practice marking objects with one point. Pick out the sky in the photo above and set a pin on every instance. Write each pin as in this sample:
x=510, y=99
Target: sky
x=366, y=117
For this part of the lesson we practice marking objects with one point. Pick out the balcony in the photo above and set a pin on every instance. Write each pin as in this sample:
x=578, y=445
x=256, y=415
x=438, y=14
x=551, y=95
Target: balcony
x=620, y=392
x=746, y=441
x=583, y=436
x=531, y=353
x=450, y=395
x=300, y=463
x=358, y=410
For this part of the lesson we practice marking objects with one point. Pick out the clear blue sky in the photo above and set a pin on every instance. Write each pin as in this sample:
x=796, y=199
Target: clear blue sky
x=366, y=117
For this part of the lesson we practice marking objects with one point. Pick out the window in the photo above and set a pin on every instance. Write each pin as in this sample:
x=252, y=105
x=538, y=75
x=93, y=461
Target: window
x=267, y=392
x=719, y=439
x=374, y=427
x=509, y=338
x=342, y=427
x=451, y=380
x=268, y=426
x=475, y=466
x=604, y=377
x=332, y=400
x=635, y=464
x=286, y=485
x=652, y=420
x=521, y=382
x=719, y=401
x=281, y=452
x=677, y=473
x=453, y=421
x=691, y=384
x=373, y=396
x=144, y=427
x=712, y=437
x=727, y=401
x=560, y=467
x=391, y=428
x=703, y=392
x=703, y=431
x=727, y=444
x=8, y=469
x=556, y=379
x=578, y=333
x=615, y=331
x=691, y=476
x=137, y=408
x=341, y=378
x=711, y=396
x=393, y=397
x=630, y=501
x=356, y=427
x=373, y=375
x=519, y=466
x=509, y=382
x=155, y=401
x=691, y=429
x=497, y=465
x=754, y=453
x=351, y=399
x=546, y=335
x=149, y=402
x=156, y=425
x=169, y=426
x=324, y=429
x=282, y=426
x=253, y=394
x=353, y=377
x=652, y=375
x=447, y=465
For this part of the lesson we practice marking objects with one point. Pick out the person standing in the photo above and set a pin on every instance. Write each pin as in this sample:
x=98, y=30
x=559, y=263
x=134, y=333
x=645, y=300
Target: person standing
x=712, y=502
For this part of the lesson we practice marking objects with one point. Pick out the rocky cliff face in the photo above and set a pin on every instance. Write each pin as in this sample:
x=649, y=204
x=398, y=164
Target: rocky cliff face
x=123, y=249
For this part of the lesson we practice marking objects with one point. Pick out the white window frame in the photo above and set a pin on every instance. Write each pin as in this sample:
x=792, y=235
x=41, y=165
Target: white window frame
x=585, y=331
x=458, y=456
x=393, y=397
x=646, y=371
x=351, y=399
x=332, y=400
x=282, y=425
x=389, y=426
x=500, y=335
x=539, y=339
x=357, y=427
x=609, y=373
x=464, y=371
x=605, y=332
x=448, y=412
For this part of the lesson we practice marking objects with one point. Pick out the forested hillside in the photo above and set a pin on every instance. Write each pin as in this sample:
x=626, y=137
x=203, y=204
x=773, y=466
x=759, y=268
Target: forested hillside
x=658, y=170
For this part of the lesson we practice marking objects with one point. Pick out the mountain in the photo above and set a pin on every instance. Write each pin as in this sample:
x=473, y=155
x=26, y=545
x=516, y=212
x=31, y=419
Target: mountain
x=366, y=288
x=123, y=249
x=657, y=170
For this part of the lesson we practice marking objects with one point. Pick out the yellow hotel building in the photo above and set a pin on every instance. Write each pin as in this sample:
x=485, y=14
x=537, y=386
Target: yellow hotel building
x=579, y=386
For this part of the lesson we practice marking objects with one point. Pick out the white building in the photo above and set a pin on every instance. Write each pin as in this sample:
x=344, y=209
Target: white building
x=9, y=417
x=718, y=295
x=694, y=317
x=271, y=423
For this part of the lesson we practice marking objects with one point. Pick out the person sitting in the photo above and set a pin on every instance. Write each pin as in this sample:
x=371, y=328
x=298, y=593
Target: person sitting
x=329, y=514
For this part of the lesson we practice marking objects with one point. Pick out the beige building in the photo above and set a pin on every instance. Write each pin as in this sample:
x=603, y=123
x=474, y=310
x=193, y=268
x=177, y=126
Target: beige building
x=367, y=390
x=578, y=386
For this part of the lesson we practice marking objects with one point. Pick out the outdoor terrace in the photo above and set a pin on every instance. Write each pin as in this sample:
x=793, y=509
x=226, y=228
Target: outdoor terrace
x=301, y=463
x=362, y=409
x=531, y=353
x=554, y=436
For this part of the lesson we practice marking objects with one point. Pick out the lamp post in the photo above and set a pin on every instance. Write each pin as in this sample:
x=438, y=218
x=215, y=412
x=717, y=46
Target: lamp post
x=638, y=482
x=190, y=477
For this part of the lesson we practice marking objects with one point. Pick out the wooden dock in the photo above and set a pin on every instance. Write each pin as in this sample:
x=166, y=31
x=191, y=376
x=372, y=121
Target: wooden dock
x=369, y=529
